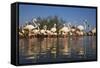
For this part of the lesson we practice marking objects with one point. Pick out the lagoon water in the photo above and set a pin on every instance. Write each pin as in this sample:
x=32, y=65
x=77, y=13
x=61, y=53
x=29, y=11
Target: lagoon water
x=63, y=49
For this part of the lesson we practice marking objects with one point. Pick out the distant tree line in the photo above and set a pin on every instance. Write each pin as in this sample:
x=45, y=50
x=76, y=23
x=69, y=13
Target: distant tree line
x=50, y=21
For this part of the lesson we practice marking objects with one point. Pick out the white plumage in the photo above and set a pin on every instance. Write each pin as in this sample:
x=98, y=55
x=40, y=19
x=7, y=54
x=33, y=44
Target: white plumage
x=29, y=27
x=80, y=27
x=94, y=30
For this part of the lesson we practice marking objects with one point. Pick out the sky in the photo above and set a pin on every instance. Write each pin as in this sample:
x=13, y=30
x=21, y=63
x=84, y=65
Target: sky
x=74, y=15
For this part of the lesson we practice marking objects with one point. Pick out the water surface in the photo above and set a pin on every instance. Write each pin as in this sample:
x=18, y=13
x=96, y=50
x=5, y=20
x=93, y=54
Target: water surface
x=41, y=50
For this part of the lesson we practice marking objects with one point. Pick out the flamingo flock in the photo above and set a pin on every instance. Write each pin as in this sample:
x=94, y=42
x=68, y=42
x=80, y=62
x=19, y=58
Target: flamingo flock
x=33, y=30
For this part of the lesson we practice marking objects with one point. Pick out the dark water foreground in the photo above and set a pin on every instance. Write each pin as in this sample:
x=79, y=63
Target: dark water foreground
x=42, y=50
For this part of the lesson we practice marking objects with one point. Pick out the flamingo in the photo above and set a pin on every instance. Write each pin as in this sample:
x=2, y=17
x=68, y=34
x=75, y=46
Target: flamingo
x=73, y=30
x=80, y=30
x=43, y=31
x=93, y=31
x=85, y=24
x=21, y=31
x=53, y=30
x=29, y=27
x=28, y=30
x=89, y=27
x=36, y=31
x=64, y=30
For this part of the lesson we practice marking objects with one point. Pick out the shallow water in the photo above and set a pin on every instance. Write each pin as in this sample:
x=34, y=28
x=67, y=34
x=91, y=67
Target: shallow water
x=41, y=50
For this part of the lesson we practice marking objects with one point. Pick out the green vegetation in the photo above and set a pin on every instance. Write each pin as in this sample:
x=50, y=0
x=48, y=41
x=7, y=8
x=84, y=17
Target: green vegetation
x=50, y=21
